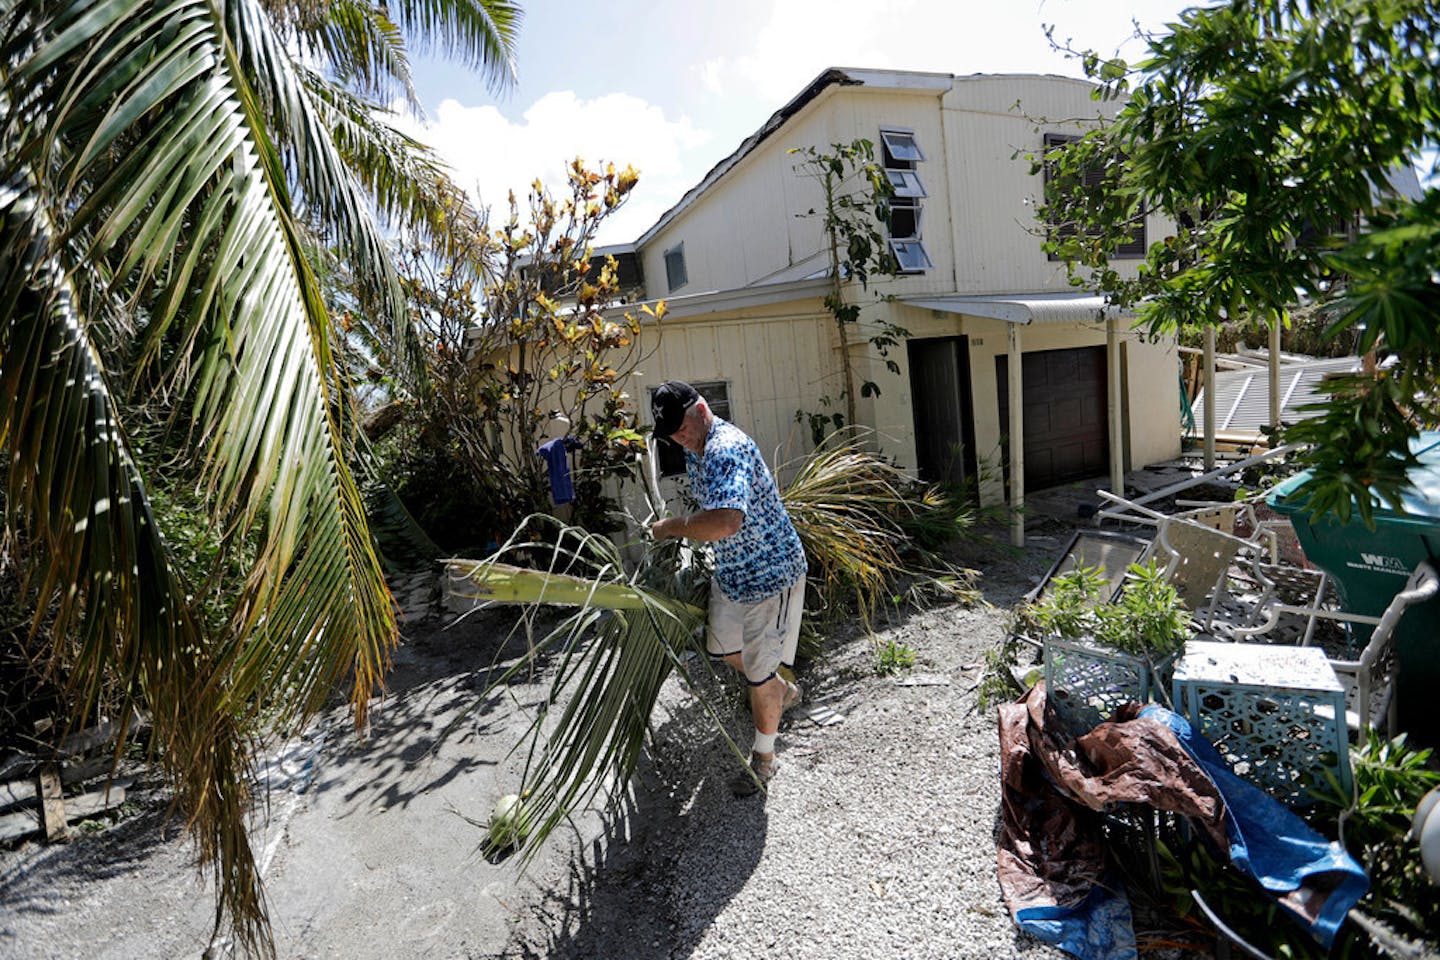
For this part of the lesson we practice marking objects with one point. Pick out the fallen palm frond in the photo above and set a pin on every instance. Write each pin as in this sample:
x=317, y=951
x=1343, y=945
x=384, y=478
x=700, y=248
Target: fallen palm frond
x=859, y=517
x=611, y=655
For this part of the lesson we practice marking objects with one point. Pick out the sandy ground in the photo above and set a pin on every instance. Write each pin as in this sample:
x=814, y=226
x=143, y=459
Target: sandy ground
x=370, y=850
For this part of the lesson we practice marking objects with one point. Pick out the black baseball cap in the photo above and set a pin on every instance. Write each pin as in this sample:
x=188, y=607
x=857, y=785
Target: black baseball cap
x=669, y=403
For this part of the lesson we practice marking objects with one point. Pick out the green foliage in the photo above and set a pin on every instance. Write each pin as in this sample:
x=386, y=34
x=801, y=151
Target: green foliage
x=893, y=657
x=1390, y=778
x=172, y=171
x=527, y=355
x=997, y=682
x=1267, y=132
x=1148, y=619
x=854, y=216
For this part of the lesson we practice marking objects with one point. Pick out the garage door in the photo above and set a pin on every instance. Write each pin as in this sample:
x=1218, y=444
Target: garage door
x=1065, y=431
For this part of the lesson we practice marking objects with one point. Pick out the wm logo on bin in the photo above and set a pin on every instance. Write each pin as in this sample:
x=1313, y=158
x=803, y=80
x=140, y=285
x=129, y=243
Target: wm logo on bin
x=1380, y=562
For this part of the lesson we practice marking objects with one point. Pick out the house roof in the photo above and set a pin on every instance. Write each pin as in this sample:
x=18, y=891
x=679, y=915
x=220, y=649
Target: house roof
x=830, y=77
x=1022, y=308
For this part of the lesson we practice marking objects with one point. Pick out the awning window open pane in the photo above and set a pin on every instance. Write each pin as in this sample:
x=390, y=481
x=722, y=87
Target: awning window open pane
x=911, y=256
x=902, y=146
x=906, y=183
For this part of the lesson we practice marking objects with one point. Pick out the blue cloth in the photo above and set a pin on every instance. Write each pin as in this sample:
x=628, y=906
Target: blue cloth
x=556, y=455
x=764, y=556
x=1271, y=844
x=1097, y=928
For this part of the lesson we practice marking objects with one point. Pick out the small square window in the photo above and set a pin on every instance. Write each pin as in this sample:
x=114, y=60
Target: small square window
x=906, y=183
x=911, y=256
x=900, y=145
x=675, y=275
x=717, y=397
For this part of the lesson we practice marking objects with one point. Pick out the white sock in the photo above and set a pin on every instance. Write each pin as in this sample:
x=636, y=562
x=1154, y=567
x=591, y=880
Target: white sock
x=764, y=742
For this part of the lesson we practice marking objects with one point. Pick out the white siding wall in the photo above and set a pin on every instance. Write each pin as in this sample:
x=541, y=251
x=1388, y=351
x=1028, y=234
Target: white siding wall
x=775, y=362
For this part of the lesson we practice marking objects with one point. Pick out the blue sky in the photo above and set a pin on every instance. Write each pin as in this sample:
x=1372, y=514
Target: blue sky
x=673, y=87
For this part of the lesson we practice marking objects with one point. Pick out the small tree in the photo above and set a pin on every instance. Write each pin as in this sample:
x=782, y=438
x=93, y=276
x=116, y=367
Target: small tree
x=1269, y=130
x=517, y=340
x=854, y=216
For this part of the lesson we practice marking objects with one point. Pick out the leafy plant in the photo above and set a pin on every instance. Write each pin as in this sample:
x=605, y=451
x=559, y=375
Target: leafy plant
x=1390, y=777
x=1267, y=132
x=893, y=657
x=854, y=212
x=1148, y=619
x=517, y=345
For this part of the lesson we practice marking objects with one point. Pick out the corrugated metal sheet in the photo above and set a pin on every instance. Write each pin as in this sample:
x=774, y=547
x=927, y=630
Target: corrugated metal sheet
x=1020, y=308
x=1242, y=397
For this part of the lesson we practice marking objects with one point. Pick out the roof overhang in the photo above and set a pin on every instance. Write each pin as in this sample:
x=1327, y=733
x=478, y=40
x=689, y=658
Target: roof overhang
x=722, y=301
x=1024, y=308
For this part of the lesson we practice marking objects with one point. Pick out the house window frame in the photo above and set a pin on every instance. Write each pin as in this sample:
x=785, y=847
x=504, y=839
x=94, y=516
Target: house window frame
x=1133, y=249
x=674, y=267
x=889, y=153
x=671, y=456
x=900, y=156
x=910, y=186
x=904, y=249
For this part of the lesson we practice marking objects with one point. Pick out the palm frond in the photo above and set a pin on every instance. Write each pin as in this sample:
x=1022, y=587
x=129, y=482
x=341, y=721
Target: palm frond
x=845, y=503
x=611, y=658
x=364, y=48
x=101, y=564
x=138, y=170
x=479, y=33
x=407, y=181
x=326, y=185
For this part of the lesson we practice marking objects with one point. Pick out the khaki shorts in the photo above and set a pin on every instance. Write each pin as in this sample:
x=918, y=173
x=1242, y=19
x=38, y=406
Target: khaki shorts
x=764, y=633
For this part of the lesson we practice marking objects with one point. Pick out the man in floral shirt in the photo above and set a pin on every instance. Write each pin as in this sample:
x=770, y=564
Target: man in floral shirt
x=758, y=592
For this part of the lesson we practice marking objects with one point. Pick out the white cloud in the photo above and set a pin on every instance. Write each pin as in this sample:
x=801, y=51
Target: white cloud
x=802, y=37
x=491, y=155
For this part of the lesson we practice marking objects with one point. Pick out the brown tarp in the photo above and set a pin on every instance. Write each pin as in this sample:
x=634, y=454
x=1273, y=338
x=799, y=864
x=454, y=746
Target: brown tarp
x=1050, y=852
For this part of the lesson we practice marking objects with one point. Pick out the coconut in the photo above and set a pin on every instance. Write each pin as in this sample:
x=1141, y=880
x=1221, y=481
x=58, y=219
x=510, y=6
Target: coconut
x=509, y=822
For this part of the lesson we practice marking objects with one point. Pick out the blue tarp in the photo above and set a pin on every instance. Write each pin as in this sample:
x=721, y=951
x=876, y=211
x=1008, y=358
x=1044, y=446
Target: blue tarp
x=1051, y=868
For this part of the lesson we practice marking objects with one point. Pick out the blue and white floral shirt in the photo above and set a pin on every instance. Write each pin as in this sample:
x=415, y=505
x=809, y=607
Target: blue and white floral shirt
x=764, y=556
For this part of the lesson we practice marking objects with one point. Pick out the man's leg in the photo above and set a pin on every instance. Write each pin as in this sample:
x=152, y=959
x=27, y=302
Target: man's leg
x=766, y=700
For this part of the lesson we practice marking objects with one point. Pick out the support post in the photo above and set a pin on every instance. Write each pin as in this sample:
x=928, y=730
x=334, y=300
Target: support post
x=1208, y=375
x=1017, y=436
x=1113, y=403
x=1275, y=371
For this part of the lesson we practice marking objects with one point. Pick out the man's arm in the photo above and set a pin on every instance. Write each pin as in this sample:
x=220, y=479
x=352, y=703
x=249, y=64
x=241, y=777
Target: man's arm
x=706, y=525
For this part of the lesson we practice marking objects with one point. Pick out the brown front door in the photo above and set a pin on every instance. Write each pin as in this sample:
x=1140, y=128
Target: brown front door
x=940, y=400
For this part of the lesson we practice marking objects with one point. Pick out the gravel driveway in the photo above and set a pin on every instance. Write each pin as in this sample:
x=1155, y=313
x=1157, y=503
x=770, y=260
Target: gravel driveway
x=877, y=838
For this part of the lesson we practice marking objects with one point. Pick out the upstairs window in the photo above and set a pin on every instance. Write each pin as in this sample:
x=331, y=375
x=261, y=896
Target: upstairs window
x=675, y=276
x=717, y=395
x=901, y=155
x=1132, y=248
x=900, y=149
x=906, y=183
x=911, y=256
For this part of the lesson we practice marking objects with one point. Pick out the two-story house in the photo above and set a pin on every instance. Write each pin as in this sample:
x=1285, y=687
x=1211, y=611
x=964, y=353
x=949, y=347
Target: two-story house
x=990, y=317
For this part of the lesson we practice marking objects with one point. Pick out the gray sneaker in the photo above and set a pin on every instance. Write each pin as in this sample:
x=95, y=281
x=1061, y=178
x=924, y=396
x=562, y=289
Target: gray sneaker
x=755, y=777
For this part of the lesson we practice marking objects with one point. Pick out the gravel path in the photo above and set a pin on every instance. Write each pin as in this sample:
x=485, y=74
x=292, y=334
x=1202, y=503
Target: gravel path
x=876, y=839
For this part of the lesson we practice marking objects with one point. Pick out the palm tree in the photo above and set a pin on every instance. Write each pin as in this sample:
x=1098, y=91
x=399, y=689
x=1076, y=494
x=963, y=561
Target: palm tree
x=165, y=165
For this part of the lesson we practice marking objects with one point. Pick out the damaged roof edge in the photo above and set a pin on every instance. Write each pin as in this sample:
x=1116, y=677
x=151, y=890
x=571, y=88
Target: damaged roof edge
x=830, y=77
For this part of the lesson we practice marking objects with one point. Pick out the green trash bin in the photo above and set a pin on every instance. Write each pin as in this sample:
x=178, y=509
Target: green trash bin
x=1370, y=567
